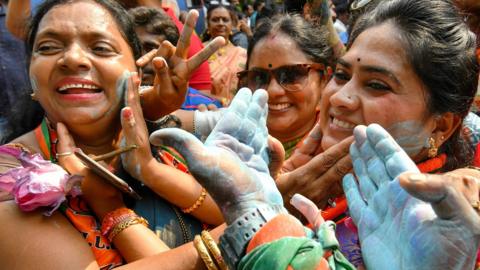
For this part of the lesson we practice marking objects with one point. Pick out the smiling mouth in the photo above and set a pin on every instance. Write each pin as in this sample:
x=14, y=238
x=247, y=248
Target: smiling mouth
x=342, y=124
x=279, y=106
x=78, y=88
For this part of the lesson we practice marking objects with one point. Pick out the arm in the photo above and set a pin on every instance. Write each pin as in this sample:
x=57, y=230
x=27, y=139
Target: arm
x=319, y=12
x=44, y=242
x=18, y=15
x=174, y=185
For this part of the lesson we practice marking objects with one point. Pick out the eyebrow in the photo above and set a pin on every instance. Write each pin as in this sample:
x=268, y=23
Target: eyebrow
x=372, y=69
x=50, y=32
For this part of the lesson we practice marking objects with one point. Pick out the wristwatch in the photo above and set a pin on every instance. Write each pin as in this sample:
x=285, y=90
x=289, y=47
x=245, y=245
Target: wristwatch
x=238, y=234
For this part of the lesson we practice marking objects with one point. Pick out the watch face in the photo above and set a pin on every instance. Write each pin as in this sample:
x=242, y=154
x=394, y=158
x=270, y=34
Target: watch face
x=357, y=4
x=106, y=174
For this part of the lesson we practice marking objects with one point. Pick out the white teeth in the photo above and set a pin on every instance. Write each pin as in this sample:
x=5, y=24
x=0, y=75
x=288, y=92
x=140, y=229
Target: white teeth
x=342, y=124
x=78, y=85
x=278, y=107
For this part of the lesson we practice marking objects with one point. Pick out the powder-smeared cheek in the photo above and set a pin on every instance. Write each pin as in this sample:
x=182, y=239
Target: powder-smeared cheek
x=410, y=135
x=33, y=82
x=121, y=86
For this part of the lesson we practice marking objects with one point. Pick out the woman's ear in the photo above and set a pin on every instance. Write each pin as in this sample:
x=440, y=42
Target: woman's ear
x=445, y=125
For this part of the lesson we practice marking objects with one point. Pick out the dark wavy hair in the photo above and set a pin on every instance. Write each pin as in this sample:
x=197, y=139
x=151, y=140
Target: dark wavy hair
x=156, y=22
x=312, y=40
x=118, y=13
x=441, y=50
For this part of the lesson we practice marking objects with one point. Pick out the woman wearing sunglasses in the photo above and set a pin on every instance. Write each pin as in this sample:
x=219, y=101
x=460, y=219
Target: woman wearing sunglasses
x=289, y=58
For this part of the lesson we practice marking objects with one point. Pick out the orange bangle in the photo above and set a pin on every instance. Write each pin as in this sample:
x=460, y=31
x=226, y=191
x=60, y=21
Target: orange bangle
x=197, y=203
x=115, y=217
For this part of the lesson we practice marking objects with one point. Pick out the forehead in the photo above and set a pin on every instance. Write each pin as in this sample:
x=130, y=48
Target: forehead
x=380, y=46
x=79, y=17
x=276, y=50
x=221, y=11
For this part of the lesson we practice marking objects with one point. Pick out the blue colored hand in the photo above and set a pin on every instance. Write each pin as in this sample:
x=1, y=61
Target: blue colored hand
x=233, y=163
x=396, y=230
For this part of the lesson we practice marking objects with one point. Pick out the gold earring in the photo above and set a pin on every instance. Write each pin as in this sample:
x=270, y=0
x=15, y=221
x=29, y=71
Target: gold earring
x=433, y=149
x=33, y=96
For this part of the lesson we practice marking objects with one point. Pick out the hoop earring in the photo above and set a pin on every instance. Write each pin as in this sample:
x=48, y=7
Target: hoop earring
x=433, y=149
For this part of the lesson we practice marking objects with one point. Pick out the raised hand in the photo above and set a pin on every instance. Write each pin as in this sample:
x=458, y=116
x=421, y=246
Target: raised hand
x=101, y=196
x=173, y=71
x=233, y=163
x=396, y=230
x=134, y=130
x=316, y=176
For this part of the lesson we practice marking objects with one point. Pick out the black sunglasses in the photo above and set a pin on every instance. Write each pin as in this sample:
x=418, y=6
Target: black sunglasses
x=291, y=78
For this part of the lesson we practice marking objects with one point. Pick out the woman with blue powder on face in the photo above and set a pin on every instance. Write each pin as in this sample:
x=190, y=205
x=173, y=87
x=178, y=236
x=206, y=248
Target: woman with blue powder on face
x=82, y=61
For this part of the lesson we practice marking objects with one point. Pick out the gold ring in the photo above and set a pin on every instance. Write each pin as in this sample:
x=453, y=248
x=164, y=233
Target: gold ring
x=64, y=154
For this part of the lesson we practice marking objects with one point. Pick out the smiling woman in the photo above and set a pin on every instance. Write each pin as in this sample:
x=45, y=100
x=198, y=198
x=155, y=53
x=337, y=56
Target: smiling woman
x=83, y=71
x=86, y=61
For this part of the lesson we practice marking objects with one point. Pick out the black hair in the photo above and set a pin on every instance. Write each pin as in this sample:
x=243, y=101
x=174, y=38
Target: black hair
x=441, y=50
x=257, y=4
x=311, y=40
x=233, y=17
x=156, y=22
x=118, y=13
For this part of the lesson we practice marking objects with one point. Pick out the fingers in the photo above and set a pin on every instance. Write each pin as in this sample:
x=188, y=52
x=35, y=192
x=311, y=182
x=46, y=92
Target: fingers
x=254, y=121
x=185, y=143
x=367, y=186
x=328, y=159
x=184, y=41
x=354, y=199
x=397, y=161
x=202, y=108
x=195, y=61
x=277, y=156
x=65, y=140
x=228, y=124
x=166, y=50
x=442, y=191
x=146, y=58
x=212, y=107
x=65, y=148
x=312, y=142
x=308, y=209
x=132, y=97
x=363, y=151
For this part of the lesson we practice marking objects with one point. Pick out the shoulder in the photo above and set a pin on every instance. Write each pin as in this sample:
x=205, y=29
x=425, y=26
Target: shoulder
x=26, y=142
x=29, y=141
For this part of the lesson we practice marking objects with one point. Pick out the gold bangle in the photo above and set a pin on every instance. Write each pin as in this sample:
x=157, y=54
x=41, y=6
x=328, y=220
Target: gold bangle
x=203, y=252
x=214, y=250
x=125, y=224
x=197, y=203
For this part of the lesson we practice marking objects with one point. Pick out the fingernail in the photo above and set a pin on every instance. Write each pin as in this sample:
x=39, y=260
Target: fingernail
x=417, y=177
x=128, y=115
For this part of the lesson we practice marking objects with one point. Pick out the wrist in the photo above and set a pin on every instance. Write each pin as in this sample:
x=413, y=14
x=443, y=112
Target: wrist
x=147, y=170
x=238, y=234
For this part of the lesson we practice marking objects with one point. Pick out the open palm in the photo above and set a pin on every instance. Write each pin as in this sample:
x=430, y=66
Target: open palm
x=233, y=163
x=397, y=230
